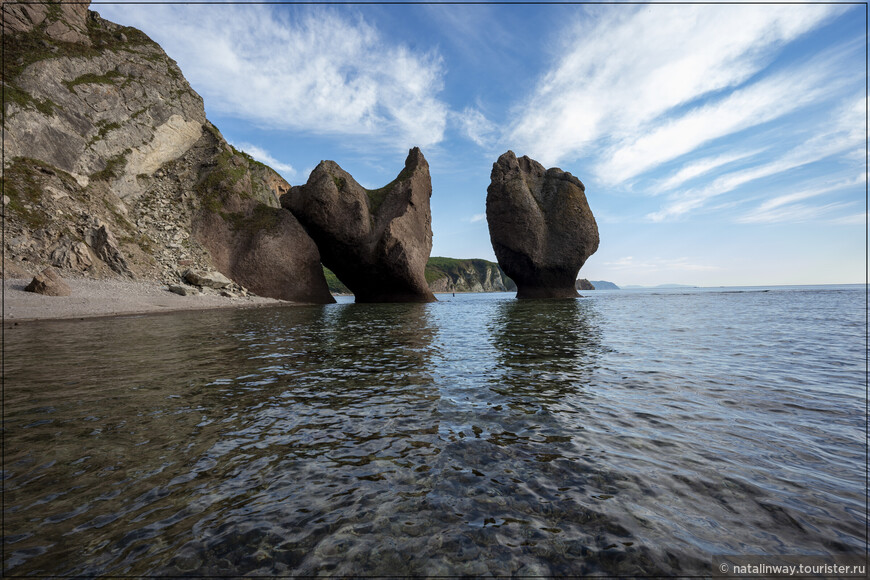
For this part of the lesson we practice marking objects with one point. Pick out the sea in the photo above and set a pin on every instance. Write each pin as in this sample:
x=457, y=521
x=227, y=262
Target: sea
x=624, y=433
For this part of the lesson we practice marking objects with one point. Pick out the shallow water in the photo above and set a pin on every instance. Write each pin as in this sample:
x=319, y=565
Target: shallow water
x=628, y=432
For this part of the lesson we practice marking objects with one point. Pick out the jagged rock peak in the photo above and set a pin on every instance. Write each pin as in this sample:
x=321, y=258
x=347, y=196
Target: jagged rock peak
x=540, y=225
x=376, y=241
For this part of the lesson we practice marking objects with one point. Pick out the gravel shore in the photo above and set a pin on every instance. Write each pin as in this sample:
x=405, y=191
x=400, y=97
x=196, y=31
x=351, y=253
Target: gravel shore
x=92, y=298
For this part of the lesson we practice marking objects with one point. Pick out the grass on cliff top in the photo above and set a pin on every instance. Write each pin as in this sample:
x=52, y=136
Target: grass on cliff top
x=377, y=196
x=333, y=283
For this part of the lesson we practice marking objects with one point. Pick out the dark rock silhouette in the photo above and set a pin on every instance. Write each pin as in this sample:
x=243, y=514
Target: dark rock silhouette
x=584, y=284
x=49, y=283
x=265, y=250
x=377, y=241
x=540, y=225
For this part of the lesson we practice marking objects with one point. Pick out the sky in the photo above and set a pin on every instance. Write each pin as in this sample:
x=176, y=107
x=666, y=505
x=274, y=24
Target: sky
x=720, y=145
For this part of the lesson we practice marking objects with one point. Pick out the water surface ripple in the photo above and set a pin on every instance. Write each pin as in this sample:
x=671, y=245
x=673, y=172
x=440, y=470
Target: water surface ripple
x=625, y=433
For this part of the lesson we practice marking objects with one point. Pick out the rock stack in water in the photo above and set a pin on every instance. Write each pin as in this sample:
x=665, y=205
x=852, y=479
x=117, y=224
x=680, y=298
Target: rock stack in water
x=540, y=225
x=376, y=241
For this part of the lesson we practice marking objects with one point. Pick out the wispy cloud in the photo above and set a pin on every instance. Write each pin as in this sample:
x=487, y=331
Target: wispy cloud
x=263, y=156
x=631, y=81
x=700, y=168
x=785, y=208
x=842, y=133
x=477, y=127
x=683, y=264
x=478, y=217
x=850, y=220
x=315, y=70
x=759, y=103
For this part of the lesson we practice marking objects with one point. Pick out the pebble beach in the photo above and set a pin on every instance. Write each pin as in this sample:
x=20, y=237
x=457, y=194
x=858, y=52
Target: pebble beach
x=93, y=298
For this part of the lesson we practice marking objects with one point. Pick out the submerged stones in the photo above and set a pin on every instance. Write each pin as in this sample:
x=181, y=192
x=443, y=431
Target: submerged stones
x=540, y=225
x=377, y=242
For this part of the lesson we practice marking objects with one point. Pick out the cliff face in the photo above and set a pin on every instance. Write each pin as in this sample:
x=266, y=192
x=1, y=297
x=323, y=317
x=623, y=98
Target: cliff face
x=474, y=275
x=112, y=168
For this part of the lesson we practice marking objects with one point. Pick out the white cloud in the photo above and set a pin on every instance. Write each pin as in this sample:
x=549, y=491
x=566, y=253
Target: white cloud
x=794, y=213
x=478, y=217
x=315, y=70
x=759, y=103
x=785, y=207
x=701, y=167
x=477, y=127
x=623, y=71
x=843, y=134
x=263, y=156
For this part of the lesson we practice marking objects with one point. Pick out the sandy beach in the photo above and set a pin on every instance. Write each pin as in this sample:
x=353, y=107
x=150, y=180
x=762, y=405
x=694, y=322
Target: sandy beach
x=92, y=298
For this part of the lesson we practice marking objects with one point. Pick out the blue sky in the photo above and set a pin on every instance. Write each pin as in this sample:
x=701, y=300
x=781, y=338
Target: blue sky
x=719, y=144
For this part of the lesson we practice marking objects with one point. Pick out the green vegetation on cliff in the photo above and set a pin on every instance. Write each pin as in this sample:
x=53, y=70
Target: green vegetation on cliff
x=463, y=274
x=335, y=285
x=452, y=273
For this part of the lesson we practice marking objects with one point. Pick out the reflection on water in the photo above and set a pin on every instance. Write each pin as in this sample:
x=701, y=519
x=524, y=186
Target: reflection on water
x=475, y=435
x=546, y=349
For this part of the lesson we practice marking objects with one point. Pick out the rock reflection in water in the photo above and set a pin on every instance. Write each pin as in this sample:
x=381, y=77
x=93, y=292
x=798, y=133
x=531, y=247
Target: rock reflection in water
x=481, y=435
x=547, y=349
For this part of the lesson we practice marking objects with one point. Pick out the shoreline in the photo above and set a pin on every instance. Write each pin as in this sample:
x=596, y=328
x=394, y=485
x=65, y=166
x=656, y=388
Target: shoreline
x=113, y=297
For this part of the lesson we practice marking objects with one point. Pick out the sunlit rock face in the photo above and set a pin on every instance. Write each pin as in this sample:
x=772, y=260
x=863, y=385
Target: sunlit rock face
x=377, y=242
x=540, y=225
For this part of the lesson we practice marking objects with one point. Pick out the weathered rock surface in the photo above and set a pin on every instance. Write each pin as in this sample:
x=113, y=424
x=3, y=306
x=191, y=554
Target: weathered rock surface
x=63, y=21
x=183, y=290
x=540, y=225
x=206, y=279
x=584, y=284
x=376, y=242
x=113, y=170
x=49, y=283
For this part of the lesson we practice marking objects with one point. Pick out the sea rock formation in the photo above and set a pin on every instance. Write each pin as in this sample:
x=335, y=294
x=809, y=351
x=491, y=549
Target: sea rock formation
x=49, y=283
x=584, y=284
x=540, y=225
x=112, y=168
x=377, y=241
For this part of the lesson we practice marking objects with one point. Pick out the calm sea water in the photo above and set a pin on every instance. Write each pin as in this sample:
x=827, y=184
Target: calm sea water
x=627, y=432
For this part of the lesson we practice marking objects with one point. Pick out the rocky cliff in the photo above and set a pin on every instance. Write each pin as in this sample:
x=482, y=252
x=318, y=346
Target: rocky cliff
x=112, y=168
x=474, y=275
